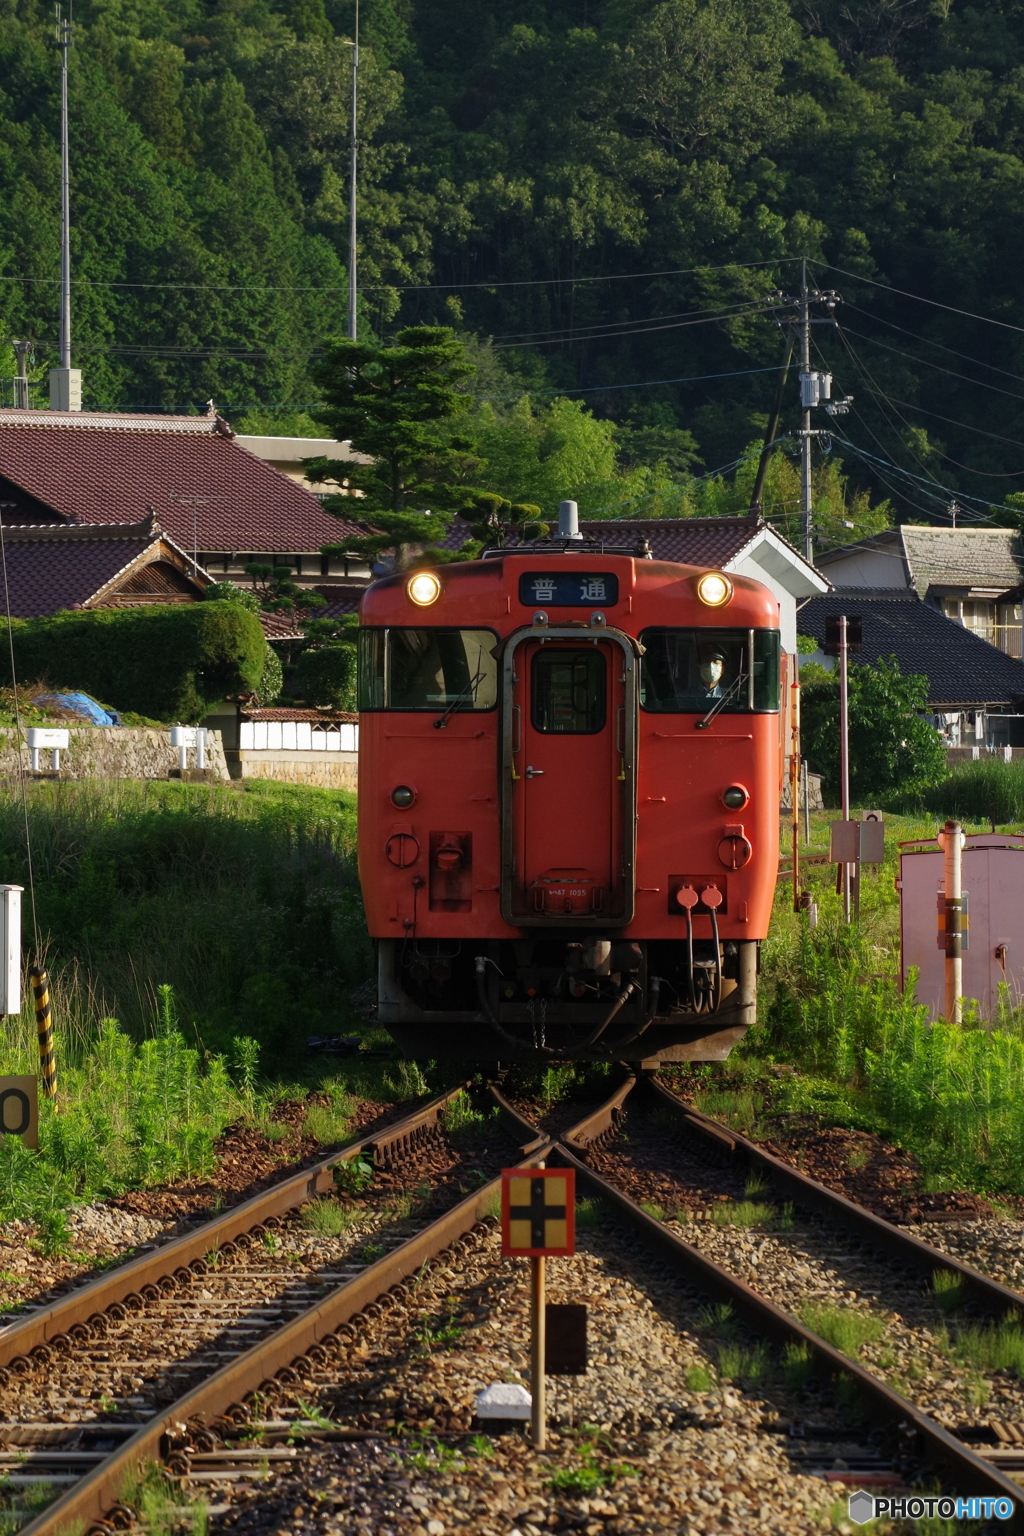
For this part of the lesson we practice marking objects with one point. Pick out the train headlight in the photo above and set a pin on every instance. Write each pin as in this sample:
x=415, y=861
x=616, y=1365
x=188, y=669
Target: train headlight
x=402, y=797
x=735, y=797
x=424, y=589
x=714, y=589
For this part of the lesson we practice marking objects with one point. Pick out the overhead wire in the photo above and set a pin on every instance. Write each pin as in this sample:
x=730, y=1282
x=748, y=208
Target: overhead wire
x=904, y=293
x=923, y=362
x=532, y=282
x=929, y=341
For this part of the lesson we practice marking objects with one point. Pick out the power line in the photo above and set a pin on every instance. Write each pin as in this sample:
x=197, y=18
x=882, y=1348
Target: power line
x=538, y=282
x=924, y=363
x=929, y=341
x=935, y=303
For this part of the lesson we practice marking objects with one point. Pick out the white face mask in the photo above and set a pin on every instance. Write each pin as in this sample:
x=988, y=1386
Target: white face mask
x=711, y=672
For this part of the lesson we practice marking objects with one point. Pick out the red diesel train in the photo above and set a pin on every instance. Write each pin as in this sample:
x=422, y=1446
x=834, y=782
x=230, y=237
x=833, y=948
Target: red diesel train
x=569, y=773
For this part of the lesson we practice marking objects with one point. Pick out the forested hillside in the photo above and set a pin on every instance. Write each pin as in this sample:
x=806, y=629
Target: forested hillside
x=606, y=190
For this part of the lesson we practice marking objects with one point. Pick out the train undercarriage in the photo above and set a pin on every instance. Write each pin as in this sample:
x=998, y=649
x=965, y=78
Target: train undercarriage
x=570, y=996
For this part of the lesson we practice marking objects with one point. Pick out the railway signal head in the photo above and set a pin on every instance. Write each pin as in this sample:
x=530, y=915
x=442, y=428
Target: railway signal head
x=538, y=1212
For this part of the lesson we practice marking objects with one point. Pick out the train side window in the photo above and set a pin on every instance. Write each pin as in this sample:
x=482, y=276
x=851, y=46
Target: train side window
x=569, y=692
x=685, y=671
x=429, y=669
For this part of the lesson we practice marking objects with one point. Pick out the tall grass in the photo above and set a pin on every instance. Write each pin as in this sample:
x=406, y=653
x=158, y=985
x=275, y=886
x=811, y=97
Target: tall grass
x=245, y=901
x=131, y=1114
x=988, y=789
x=953, y=1093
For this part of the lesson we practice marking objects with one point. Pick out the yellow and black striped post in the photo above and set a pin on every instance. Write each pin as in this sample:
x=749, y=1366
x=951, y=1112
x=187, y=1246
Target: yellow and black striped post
x=44, y=1028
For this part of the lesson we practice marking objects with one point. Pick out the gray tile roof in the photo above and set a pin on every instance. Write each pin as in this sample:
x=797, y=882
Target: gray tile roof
x=963, y=671
x=968, y=558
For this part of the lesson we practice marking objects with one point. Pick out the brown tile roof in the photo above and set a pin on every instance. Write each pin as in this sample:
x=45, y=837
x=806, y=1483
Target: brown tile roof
x=91, y=467
x=710, y=541
x=303, y=716
x=342, y=597
x=55, y=567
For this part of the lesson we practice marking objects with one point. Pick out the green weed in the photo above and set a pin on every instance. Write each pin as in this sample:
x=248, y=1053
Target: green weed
x=426, y=1454
x=742, y=1213
x=720, y=1319
x=327, y=1218
x=371, y=1252
x=797, y=1365
x=737, y=1363
x=992, y=1346
x=437, y=1335
x=590, y=1214
x=737, y=1108
x=353, y=1175
x=948, y=1289
x=842, y=1327
x=460, y=1114
x=699, y=1379
x=653, y=1209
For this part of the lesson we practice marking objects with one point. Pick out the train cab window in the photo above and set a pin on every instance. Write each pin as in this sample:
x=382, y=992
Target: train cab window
x=569, y=692
x=686, y=671
x=430, y=669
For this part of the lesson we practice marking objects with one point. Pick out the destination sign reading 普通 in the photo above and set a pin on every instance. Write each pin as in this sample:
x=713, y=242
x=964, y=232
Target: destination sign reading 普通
x=568, y=589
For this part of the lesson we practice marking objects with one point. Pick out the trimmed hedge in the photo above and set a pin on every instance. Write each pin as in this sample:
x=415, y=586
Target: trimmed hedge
x=170, y=662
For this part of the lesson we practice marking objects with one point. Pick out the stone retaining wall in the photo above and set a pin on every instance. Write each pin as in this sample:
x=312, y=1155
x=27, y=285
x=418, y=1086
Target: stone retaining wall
x=326, y=770
x=113, y=752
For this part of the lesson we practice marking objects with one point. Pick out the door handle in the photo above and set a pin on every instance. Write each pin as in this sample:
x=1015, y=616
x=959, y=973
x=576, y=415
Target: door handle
x=534, y=773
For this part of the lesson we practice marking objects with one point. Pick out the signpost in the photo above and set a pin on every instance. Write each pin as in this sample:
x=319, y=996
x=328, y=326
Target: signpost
x=19, y=1109
x=47, y=739
x=843, y=635
x=538, y=1222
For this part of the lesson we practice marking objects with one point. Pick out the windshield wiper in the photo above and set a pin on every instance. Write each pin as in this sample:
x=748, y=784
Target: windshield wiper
x=467, y=695
x=460, y=698
x=719, y=704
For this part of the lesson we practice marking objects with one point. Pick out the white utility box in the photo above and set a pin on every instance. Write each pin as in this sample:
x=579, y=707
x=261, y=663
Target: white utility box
x=993, y=886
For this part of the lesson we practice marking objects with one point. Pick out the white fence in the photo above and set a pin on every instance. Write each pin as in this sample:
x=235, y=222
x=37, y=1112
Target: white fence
x=297, y=736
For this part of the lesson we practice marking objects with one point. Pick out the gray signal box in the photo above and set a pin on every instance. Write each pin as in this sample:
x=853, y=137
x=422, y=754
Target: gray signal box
x=993, y=885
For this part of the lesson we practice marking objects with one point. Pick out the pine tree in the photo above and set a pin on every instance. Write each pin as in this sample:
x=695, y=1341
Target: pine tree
x=393, y=404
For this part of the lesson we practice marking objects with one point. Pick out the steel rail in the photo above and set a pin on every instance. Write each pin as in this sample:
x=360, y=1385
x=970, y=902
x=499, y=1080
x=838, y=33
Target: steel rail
x=257, y=1374
x=971, y=1474
x=988, y=1295
x=45, y=1325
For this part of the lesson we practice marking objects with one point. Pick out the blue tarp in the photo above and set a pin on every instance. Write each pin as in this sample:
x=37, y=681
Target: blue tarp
x=81, y=704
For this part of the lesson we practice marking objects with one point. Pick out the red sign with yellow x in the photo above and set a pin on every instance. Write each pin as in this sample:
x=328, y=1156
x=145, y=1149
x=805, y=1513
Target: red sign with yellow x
x=538, y=1212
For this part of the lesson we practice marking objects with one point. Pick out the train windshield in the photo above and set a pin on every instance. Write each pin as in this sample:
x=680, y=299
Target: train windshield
x=689, y=671
x=433, y=669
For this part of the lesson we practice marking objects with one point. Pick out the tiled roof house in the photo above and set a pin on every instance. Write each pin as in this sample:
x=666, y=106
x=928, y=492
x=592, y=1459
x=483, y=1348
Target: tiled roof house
x=966, y=573
x=118, y=565
x=975, y=691
x=218, y=501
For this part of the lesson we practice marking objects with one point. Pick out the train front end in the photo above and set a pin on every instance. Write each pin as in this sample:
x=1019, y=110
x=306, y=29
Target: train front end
x=569, y=771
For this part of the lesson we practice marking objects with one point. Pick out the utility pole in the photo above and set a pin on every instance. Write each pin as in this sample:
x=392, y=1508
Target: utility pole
x=353, y=324
x=806, y=401
x=65, y=381
x=815, y=389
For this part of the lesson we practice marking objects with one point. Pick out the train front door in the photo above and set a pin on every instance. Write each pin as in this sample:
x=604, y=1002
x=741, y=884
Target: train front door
x=567, y=855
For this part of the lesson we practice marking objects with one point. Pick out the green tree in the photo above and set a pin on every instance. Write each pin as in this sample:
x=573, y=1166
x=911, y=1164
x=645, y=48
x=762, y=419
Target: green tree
x=891, y=746
x=276, y=592
x=325, y=672
x=395, y=404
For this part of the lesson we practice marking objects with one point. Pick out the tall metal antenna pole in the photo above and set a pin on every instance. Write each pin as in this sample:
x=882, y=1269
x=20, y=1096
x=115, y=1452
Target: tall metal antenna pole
x=64, y=43
x=352, y=321
x=805, y=438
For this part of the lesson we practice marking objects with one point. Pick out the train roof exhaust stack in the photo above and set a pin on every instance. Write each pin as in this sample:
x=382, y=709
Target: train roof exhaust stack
x=568, y=520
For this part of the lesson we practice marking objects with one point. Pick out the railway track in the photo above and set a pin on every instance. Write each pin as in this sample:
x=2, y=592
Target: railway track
x=237, y=1409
